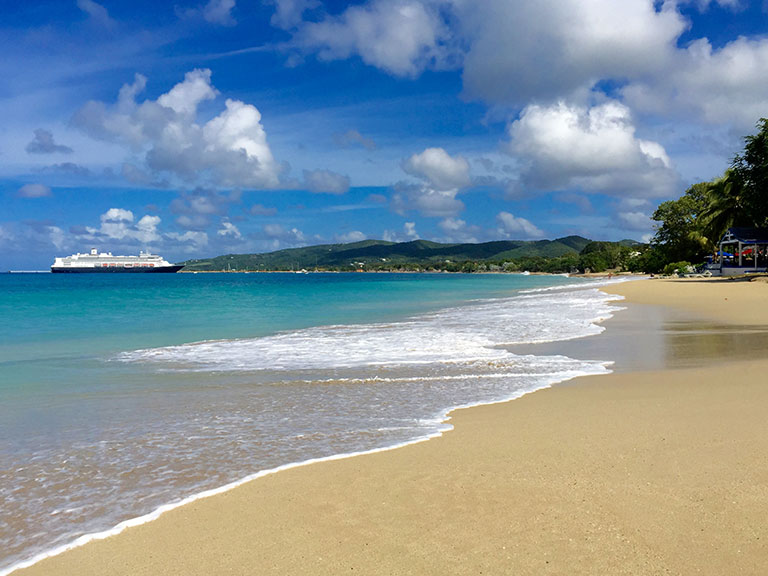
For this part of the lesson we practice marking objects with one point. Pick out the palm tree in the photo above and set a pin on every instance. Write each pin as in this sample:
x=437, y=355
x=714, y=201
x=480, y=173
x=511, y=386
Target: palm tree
x=724, y=207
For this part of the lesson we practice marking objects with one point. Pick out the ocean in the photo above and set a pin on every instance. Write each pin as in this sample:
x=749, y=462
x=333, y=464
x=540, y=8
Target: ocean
x=124, y=395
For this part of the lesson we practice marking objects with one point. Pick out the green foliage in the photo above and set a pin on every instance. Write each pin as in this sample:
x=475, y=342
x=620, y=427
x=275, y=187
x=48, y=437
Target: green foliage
x=724, y=207
x=751, y=170
x=650, y=260
x=602, y=256
x=680, y=236
x=691, y=226
x=404, y=256
x=676, y=267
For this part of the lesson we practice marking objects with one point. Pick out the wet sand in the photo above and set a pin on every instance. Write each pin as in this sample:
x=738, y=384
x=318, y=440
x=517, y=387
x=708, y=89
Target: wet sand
x=660, y=468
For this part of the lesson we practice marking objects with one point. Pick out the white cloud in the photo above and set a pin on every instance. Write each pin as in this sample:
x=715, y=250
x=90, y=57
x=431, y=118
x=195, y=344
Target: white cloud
x=547, y=49
x=196, y=208
x=288, y=13
x=193, y=239
x=399, y=36
x=440, y=169
x=426, y=200
x=725, y=85
x=353, y=236
x=185, y=96
x=220, y=12
x=592, y=149
x=326, y=182
x=515, y=53
x=229, y=229
x=442, y=177
x=409, y=233
x=635, y=220
x=457, y=230
x=230, y=150
x=34, y=191
x=283, y=235
x=118, y=224
x=511, y=225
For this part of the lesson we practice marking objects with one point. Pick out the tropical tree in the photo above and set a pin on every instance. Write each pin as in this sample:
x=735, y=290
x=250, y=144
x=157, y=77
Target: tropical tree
x=751, y=170
x=680, y=235
x=725, y=206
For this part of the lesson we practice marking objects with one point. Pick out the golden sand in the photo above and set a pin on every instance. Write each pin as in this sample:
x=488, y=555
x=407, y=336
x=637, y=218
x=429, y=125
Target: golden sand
x=662, y=472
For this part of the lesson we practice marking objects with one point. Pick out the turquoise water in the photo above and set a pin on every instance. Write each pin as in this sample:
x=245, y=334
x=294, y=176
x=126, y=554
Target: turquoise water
x=119, y=394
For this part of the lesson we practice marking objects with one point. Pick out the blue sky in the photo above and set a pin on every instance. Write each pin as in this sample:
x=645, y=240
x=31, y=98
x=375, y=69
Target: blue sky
x=228, y=126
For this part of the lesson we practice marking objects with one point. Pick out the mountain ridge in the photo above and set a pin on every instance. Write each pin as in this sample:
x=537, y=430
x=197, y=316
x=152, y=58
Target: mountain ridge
x=382, y=255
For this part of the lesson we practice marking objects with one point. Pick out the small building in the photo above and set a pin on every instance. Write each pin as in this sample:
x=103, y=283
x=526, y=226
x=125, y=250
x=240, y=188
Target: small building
x=743, y=251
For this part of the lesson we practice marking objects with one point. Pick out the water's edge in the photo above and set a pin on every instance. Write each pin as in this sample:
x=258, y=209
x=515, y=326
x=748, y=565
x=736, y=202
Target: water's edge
x=444, y=426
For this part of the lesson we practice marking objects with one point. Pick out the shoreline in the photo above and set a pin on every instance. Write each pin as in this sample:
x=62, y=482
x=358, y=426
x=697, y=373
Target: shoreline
x=456, y=417
x=445, y=425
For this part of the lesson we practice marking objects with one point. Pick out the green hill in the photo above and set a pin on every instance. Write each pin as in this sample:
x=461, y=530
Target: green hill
x=381, y=255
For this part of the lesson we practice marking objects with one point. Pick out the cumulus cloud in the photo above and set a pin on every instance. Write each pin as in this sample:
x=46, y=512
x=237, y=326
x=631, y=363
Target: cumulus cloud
x=195, y=209
x=457, y=230
x=119, y=224
x=353, y=236
x=592, y=149
x=515, y=226
x=43, y=143
x=442, y=175
x=409, y=233
x=635, y=220
x=288, y=13
x=516, y=53
x=228, y=150
x=326, y=182
x=34, y=191
x=426, y=200
x=191, y=239
x=136, y=175
x=547, y=49
x=281, y=236
x=229, y=229
x=725, y=85
x=439, y=168
x=399, y=36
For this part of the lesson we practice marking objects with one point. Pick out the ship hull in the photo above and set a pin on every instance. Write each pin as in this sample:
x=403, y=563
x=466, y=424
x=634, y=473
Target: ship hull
x=117, y=270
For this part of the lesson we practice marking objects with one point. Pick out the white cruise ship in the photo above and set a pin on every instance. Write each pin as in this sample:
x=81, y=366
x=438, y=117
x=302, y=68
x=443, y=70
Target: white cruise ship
x=106, y=262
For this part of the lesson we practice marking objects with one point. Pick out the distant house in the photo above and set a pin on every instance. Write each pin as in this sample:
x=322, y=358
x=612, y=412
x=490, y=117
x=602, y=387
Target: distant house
x=743, y=250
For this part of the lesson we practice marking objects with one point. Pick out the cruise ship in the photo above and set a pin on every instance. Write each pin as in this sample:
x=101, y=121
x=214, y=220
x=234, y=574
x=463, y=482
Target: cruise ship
x=105, y=262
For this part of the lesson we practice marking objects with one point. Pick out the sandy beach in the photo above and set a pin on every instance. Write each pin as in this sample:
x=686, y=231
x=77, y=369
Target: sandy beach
x=659, y=468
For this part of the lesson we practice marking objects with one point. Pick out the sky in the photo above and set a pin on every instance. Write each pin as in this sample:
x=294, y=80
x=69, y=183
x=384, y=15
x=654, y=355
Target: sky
x=199, y=128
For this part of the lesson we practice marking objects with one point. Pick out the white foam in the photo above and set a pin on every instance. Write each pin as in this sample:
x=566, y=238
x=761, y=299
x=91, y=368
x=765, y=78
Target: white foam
x=457, y=354
x=442, y=424
x=465, y=333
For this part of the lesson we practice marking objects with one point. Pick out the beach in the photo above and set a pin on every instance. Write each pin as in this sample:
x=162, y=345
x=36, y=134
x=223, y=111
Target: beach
x=658, y=468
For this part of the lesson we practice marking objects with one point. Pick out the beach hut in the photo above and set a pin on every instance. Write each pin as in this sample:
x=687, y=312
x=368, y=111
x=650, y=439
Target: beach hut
x=743, y=251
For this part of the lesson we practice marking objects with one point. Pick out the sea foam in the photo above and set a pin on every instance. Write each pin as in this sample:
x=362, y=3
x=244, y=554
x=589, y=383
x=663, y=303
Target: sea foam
x=223, y=412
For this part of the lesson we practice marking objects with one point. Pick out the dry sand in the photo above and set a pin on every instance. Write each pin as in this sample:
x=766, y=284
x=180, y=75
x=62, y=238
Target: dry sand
x=661, y=472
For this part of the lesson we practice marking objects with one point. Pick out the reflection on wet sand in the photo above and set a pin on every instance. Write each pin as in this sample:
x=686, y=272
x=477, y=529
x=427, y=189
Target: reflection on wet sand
x=645, y=337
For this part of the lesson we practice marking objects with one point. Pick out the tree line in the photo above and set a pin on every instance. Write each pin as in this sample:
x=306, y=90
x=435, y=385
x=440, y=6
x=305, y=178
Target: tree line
x=691, y=227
